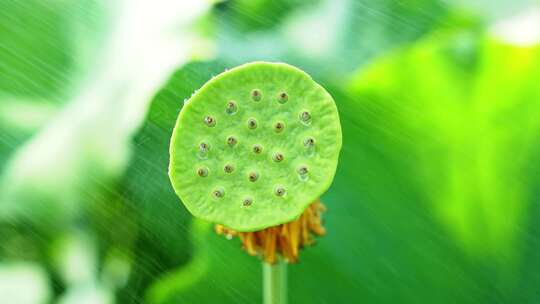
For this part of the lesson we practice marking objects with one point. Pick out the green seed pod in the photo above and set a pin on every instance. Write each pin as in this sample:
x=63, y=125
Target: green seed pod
x=278, y=140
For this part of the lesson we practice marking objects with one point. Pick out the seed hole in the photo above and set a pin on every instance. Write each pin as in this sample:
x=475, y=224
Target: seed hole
x=309, y=142
x=209, y=121
x=257, y=149
x=232, y=141
x=256, y=95
x=202, y=172
x=228, y=168
x=247, y=201
x=302, y=170
x=277, y=157
x=253, y=176
x=252, y=123
x=231, y=107
x=305, y=117
x=204, y=147
x=283, y=97
x=280, y=191
x=279, y=126
x=218, y=193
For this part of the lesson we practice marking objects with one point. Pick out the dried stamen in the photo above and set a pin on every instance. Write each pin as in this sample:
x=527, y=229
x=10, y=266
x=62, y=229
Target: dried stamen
x=285, y=239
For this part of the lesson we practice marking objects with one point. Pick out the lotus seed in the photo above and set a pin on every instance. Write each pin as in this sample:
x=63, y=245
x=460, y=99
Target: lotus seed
x=218, y=193
x=309, y=142
x=256, y=95
x=283, y=97
x=202, y=172
x=302, y=170
x=209, y=121
x=231, y=107
x=257, y=149
x=247, y=201
x=279, y=126
x=231, y=141
x=278, y=157
x=253, y=176
x=280, y=191
x=305, y=117
x=252, y=123
x=228, y=168
x=203, y=147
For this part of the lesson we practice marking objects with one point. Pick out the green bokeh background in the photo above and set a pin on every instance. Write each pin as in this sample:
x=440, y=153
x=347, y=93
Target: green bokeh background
x=436, y=198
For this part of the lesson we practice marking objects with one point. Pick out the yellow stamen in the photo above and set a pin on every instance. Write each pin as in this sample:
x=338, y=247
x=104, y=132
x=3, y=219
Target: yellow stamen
x=285, y=239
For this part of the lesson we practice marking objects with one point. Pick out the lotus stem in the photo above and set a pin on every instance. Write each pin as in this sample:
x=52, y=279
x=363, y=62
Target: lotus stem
x=275, y=282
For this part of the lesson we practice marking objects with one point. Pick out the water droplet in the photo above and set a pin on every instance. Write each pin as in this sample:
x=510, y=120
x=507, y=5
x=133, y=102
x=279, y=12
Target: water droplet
x=202, y=172
x=252, y=123
x=209, y=121
x=231, y=107
x=256, y=95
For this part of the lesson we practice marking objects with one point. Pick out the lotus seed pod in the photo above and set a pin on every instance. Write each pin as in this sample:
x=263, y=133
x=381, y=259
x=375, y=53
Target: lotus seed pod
x=283, y=124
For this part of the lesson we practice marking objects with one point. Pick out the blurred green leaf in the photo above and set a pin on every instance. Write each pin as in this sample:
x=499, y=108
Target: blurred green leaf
x=457, y=112
x=163, y=222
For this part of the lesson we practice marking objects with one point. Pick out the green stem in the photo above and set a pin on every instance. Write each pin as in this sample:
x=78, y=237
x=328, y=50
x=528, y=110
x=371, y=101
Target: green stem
x=275, y=283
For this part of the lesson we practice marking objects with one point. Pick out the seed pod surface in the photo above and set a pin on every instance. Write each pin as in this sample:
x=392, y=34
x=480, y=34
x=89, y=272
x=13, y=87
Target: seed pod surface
x=272, y=151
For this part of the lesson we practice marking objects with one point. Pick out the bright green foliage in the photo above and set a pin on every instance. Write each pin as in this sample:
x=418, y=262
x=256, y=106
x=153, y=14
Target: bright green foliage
x=468, y=146
x=255, y=146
